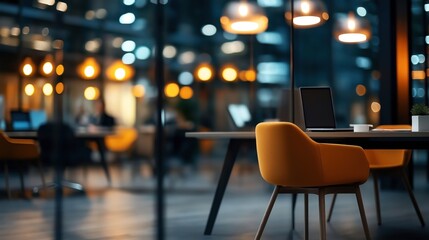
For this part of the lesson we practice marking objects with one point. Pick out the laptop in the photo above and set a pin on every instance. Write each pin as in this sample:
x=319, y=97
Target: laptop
x=240, y=116
x=318, y=109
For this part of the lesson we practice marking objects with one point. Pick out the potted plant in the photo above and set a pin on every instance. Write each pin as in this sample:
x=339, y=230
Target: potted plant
x=419, y=118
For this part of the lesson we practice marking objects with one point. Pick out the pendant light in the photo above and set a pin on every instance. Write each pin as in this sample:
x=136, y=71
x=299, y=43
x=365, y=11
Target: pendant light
x=307, y=13
x=351, y=29
x=244, y=18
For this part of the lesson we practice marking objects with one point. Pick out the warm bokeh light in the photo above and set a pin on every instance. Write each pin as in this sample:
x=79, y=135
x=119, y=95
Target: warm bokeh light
x=418, y=75
x=360, y=90
x=91, y=93
x=47, y=66
x=27, y=67
x=59, y=88
x=89, y=72
x=120, y=74
x=89, y=69
x=186, y=92
x=139, y=91
x=171, y=90
x=244, y=18
x=248, y=75
x=47, y=89
x=59, y=70
x=375, y=107
x=204, y=72
x=229, y=73
x=119, y=71
x=307, y=14
x=29, y=89
x=352, y=29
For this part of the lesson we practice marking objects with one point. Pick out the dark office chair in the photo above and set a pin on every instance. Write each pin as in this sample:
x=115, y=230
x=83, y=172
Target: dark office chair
x=57, y=141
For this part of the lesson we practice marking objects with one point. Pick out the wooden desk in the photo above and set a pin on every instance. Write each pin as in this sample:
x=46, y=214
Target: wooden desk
x=374, y=140
x=96, y=135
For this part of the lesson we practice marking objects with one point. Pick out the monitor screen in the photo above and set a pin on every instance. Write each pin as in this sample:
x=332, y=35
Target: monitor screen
x=20, y=120
x=37, y=118
x=240, y=114
x=317, y=107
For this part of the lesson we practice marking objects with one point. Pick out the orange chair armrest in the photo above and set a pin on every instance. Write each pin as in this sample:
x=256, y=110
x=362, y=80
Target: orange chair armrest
x=21, y=141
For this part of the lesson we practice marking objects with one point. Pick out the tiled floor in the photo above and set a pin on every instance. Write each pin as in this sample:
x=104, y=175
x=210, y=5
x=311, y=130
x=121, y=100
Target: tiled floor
x=125, y=210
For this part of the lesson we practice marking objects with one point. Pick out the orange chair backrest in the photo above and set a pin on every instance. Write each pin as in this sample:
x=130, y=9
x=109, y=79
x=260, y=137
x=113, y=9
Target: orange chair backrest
x=3, y=146
x=17, y=148
x=122, y=140
x=287, y=156
x=401, y=156
x=399, y=126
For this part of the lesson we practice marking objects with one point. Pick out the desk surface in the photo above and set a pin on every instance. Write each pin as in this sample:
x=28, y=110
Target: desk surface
x=98, y=133
x=373, y=139
x=372, y=134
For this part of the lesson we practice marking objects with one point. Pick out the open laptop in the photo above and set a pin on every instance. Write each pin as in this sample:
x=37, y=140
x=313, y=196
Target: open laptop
x=240, y=116
x=318, y=109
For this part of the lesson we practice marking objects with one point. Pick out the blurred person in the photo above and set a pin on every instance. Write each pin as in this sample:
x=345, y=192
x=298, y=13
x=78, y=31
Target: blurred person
x=100, y=117
x=82, y=117
x=183, y=148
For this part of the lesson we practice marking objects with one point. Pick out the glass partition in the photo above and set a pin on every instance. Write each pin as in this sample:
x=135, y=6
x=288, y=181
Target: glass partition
x=87, y=51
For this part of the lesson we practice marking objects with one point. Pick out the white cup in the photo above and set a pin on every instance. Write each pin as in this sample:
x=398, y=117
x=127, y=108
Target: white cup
x=361, y=127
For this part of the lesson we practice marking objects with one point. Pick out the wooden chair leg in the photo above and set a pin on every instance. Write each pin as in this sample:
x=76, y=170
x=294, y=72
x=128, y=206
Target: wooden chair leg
x=331, y=209
x=267, y=213
x=306, y=234
x=377, y=197
x=322, y=217
x=362, y=212
x=294, y=197
x=413, y=199
x=6, y=180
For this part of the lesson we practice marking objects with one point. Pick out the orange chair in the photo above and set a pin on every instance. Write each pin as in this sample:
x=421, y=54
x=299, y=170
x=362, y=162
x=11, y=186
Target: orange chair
x=18, y=151
x=122, y=141
x=294, y=163
x=390, y=160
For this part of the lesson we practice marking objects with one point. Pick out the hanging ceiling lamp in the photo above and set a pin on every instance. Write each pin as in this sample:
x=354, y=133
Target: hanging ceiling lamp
x=244, y=18
x=307, y=13
x=351, y=29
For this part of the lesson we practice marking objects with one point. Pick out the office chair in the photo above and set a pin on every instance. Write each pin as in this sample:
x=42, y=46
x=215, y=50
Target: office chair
x=58, y=142
x=18, y=151
x=122, y=141
x=395, y=161
x=294, y=163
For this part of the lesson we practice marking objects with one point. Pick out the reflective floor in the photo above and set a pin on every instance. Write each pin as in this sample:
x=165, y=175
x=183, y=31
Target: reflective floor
x=125, y=210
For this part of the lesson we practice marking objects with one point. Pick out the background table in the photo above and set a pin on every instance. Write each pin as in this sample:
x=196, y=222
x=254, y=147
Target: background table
x=370, y=140
x=96, y=135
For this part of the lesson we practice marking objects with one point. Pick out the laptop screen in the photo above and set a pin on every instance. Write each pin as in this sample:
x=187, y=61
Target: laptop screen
x=240, y=115
x=317, y=107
